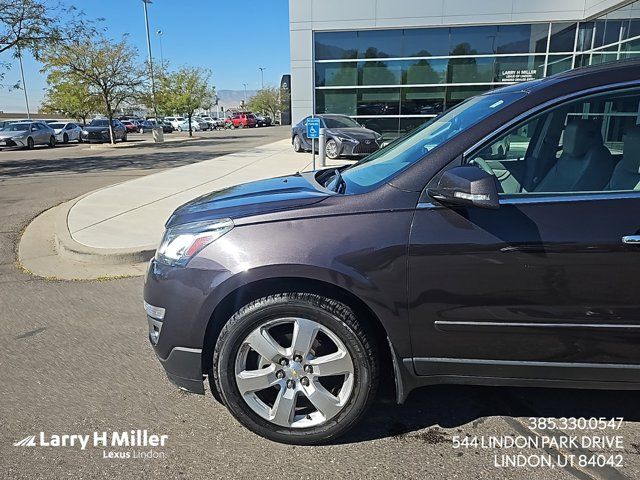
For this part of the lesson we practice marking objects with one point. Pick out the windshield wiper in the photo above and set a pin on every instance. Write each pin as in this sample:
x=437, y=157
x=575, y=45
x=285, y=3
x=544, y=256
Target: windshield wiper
x=338, y=182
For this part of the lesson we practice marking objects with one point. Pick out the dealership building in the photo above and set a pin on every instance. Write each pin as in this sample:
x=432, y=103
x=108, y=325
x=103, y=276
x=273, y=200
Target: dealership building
x=392, y=64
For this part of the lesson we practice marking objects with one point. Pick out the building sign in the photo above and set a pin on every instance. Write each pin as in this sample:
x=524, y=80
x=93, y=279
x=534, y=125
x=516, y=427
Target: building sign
x=519, y=75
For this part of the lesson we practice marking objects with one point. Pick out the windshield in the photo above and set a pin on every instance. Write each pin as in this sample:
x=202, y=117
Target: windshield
x=99, y=123
x=340, y=122
x=57, y=125
x=385, y=163
x=17, y=127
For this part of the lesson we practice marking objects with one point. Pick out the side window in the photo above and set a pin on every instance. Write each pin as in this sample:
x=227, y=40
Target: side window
x=586, y=145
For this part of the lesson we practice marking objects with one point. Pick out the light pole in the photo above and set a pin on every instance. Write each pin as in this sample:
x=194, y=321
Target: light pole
x=245, y=93
x=262, y=69
x=153, y=85
x=24, y=85
x=160, y=33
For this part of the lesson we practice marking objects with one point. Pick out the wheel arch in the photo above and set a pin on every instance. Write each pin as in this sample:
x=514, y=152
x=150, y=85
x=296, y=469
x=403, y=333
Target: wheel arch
x=244, y=294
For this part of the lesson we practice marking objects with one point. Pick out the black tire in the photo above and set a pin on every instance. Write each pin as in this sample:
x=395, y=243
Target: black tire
x=124, y=137
x=52, y=141
x=333, y=315
x=65, y=138
x=80, y=138
x=297, y=144
x=30, y=143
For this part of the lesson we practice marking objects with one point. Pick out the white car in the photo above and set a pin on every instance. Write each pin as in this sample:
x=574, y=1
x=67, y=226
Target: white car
x=67, y=132
x=184, y=126
x=174, y=121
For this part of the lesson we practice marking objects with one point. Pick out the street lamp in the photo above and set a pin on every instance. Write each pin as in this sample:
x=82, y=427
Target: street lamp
x=262, y=69
x=160, y=33
x=24, y=85
x=153, y=85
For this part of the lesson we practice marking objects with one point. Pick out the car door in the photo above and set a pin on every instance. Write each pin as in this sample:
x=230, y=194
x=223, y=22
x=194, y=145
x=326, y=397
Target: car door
x=546, y=286
x=41, y=134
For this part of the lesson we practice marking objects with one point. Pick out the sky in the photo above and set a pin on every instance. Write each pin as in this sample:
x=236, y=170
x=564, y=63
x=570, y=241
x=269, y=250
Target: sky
x=230, y=38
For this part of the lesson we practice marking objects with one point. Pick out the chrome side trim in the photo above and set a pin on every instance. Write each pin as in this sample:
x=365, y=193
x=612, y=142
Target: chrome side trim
x=516, y=363
x=186, y=349
x=535, y=325
x=538, y=108
x=562, y=198
x=528, y=199
x=429, y=206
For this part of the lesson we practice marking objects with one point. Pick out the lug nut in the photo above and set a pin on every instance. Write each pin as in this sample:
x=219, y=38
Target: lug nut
x=297, y=358
x=284, y=362
x=279, y=374
x=308, y=369
x=304, y=381
x=291, y=384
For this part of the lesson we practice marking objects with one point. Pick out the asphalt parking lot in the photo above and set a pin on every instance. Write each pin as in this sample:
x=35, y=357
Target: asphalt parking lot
x=74, y=358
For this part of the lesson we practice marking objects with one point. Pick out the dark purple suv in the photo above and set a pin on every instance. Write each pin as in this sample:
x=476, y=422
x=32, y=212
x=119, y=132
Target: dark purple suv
x=497, y=244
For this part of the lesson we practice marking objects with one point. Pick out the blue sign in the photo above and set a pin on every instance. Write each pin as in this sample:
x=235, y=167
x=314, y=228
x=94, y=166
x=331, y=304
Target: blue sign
x=313, y=127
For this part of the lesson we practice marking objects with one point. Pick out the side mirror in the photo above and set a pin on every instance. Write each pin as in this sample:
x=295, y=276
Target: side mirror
x=467, y=185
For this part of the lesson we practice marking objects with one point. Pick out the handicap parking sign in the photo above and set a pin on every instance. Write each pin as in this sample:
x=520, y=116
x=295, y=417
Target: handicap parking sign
x=313, y=127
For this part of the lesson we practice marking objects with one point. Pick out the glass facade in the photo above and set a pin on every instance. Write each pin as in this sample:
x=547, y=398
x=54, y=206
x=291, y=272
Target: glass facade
x=394, y=80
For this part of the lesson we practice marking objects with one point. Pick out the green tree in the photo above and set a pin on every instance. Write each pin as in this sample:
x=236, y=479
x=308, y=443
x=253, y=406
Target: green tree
x=269, y=100
x=71, y=99
x=184, y=91
x=34, y=25
x=107, y=68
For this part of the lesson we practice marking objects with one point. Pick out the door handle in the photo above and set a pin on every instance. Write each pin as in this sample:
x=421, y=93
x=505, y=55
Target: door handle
x=631, y=240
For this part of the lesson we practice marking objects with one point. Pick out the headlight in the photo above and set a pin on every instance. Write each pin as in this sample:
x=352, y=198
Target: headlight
x=84, y=132
x=346, y=139
x=182, y=242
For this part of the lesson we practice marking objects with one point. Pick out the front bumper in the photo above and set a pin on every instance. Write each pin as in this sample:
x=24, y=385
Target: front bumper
x=95, y=137
x=177, y=317
x=359, y=148
x=12, y=142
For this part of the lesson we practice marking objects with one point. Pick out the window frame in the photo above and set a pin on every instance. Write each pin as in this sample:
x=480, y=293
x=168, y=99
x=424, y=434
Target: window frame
x=524, y=118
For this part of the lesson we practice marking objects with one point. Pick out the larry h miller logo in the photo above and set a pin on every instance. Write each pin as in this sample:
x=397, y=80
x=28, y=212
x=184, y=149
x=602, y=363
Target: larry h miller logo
x=125, y=444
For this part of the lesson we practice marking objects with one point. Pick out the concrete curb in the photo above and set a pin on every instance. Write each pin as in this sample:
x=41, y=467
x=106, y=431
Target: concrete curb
x=137, y=144
x=66, y=246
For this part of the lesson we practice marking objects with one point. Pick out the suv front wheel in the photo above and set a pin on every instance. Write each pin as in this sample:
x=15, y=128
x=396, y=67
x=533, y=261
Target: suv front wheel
x=296, y=368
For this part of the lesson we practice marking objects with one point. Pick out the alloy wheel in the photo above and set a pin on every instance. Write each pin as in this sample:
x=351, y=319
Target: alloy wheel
x=331, y=149
x=294, y=372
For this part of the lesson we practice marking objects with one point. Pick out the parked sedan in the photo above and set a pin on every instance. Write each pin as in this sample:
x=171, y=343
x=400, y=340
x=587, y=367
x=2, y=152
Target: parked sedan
x=184, y=126
x=203, y=124
x=98, y=131
x=131, y=126
x=27, y=134
x=344, y=137
x=175, y=121
x=262, y=121
x=67, y=132
x=424, y=263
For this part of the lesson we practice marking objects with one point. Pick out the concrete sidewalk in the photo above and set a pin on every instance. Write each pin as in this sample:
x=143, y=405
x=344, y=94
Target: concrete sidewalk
x=122, y=224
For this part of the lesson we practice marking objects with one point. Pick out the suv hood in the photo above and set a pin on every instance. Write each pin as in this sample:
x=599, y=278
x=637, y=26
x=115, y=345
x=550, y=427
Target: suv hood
x=248, y=199
x=95, y=128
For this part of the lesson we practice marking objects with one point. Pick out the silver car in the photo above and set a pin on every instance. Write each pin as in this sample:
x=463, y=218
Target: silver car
x=27, y=134
x=66, y=131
